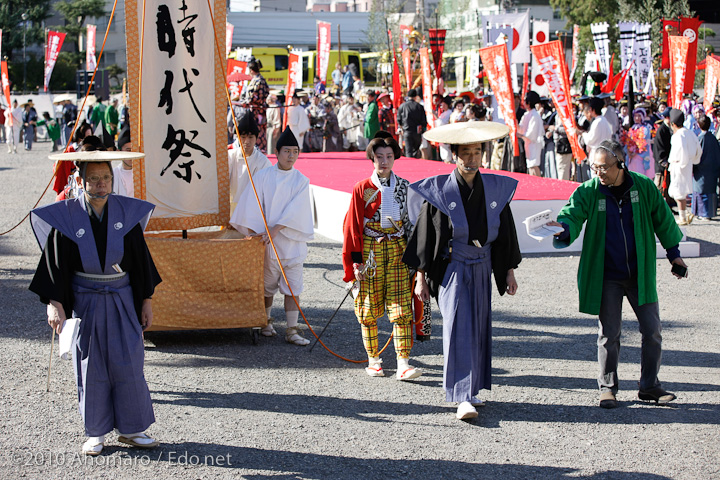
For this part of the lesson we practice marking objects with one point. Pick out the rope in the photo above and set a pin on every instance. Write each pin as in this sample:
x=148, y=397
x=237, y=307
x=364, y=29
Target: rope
x=72, y=133
x=257, y=197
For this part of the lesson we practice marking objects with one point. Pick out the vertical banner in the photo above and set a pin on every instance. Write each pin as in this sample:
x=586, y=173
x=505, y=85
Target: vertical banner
x=407, y=66
x=689, y=29
x=237, y=75
x=427, y=86
x=294, y=71
x=519, y=38
x=551, y=63
x=229, y=30
x=602, y=44
x=52, y=50
x=497, y=68
x=437, y=46
x=575, y=46
x=541, y=35
x=627, y=47
x=396, y=85
x=323, y=50
x=679, y=45
x=460, y=73
x=643, y=53
x=405, y=36
x=179, y=111
x=6, y=86
x=474, y=70
x=712, y=77
x=90, y=60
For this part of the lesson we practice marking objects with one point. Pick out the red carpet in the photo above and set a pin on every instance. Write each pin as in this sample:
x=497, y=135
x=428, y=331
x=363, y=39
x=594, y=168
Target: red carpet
x=341, y=171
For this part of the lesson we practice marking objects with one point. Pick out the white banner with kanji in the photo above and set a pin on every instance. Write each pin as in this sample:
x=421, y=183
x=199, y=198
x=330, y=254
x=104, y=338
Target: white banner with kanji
x=181, y=115
x=323, y=50
x=52, y=50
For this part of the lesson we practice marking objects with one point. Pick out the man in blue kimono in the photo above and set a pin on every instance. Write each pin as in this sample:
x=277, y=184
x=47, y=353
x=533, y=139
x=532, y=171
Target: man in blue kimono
x=465, y=231
x=96, y=264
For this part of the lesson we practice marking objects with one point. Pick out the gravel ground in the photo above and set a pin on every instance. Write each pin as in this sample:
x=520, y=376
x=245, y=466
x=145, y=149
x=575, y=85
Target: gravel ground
x=226, y=408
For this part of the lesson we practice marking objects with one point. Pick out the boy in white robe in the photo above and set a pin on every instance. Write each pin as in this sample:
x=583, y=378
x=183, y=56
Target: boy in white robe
x=685, y=151
x=239, y=178
x=284, y=194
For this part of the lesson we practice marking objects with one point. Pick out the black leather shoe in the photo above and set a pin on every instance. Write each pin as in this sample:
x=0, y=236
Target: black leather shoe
x=607, y=400
x=657, y=395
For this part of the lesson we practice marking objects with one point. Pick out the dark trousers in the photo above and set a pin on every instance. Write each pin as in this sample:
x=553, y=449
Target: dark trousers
x=412, y=144
x=610, y=325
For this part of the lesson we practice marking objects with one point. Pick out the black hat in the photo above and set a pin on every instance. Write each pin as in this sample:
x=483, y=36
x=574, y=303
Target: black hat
x=246, y=123
x=412, y=93
x=124, y=136
x=677, y=117
x=287, y=139
x=107, y=139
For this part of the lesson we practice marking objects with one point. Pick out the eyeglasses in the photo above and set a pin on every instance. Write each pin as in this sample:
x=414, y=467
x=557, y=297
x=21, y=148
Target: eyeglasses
x=96, y=179
x=602, y=168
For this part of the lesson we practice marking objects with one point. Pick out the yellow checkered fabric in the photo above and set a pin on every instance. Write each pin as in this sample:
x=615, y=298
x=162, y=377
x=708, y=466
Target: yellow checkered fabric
x=390, y=289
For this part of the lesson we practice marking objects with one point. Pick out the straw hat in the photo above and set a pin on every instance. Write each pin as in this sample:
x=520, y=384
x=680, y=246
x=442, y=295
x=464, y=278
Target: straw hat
x=96, y=156
x=464, y=133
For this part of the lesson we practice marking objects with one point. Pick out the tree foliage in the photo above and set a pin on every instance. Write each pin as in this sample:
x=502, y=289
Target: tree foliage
x=11, y=23
x=75, y=12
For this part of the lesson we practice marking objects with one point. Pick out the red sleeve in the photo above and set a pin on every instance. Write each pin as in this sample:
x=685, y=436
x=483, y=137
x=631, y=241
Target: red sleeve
x=354, y=224
x=63, y=172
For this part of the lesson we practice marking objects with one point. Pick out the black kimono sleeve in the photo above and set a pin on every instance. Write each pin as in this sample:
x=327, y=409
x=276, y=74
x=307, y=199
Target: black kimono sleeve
x=505, y=252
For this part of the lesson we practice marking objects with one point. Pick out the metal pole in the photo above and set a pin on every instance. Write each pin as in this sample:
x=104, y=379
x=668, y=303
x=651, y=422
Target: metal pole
x=24, y=17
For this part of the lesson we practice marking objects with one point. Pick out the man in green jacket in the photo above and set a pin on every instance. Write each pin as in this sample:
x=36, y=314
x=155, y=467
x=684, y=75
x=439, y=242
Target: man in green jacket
x=112, y=118
x=372, y=120
x=623, y=212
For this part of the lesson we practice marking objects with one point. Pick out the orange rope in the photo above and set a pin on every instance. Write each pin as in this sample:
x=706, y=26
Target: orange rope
x=92, y=82
x=267, y=229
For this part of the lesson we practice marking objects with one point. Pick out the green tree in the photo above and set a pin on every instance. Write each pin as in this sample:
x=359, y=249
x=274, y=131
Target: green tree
x=75, y=13
x=11, y=23
x=114, y=73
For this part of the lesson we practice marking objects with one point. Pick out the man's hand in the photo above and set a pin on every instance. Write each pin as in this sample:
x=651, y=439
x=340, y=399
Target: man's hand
x=422, y=291
x=56, y=315
x=679, y=261
x=146, y=314
x=512, y=285
x=555, y=224
x=357, y=271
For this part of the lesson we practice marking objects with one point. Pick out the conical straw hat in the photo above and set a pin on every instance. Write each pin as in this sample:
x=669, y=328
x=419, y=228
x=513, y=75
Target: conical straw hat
x=463, y=133
x=96, y=156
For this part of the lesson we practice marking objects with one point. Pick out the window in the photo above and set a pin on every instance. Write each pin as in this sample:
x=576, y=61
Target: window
x=281, y=62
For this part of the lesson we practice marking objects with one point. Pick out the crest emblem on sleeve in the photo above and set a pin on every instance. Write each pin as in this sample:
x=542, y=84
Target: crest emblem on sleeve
x=493, y=204
x=118, y=225
x=452, y=205
x=80, y=233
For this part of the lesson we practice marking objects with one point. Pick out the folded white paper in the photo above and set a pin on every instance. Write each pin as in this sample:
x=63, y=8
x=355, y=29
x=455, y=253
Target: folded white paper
x=537, y=228
x=67, y=337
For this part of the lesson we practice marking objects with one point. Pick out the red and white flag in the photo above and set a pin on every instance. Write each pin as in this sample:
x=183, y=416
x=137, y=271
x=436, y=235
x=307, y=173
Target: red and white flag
x=6, y=86
x=237, y=75
x=294, y=81
x=551, y=64
x=496, y=64
x=323, y=50
x=229, y=29
x=407, y=66
x=679, y=45
x=427, y=86
x=52, y=50
x=712, y=78
x=520, y=23
x=541, y=35
x=688, y=28
x=405, y=31
x=90, y=60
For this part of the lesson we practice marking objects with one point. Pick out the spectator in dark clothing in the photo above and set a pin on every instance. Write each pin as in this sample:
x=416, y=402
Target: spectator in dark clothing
x=411, y=119
x=661, y=150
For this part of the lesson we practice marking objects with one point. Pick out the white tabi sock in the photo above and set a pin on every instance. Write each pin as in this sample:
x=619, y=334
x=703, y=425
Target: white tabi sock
x=683, y=215
x=403, y=364
x=291, y=316
x=267, y=311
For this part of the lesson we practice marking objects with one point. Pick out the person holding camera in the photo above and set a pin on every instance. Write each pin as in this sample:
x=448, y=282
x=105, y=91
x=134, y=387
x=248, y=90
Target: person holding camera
x=622, y=212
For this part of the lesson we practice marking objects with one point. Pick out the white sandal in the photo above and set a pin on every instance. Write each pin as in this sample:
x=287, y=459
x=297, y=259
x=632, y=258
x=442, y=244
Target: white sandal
x=93, y=446
x=268, y=330
x=408, y=373
x=292, y=335
x=140, y=440
x=374, y=368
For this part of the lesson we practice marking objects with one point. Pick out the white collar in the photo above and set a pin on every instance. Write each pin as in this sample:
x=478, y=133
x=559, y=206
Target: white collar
x=376, y=180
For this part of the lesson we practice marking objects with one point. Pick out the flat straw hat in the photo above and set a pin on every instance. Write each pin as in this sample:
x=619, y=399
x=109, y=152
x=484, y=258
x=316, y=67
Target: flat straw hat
x=464, y=133
x=96, y=156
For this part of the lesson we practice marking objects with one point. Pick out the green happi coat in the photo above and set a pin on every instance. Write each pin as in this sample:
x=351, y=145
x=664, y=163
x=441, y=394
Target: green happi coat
x=651, y=216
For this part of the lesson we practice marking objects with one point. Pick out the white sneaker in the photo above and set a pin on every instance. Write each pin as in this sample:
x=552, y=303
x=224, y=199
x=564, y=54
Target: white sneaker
x=466, y=411
x=476, y=402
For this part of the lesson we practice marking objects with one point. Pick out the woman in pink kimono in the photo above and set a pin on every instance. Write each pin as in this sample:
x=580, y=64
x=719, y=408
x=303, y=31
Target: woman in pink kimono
x=637, y=142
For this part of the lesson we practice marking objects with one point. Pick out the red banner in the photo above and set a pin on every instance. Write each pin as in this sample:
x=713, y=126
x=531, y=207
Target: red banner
x=526, y=74
x=427, y=86
x=323, y=50
x=90, y=60
x=396, y=85
x=407, y=66
x=551, y=61
x=6, y=87
x=712, y=77
x=229, y=29
x=237, y=74
x=496, y=65
x=576, y=35
x=52, y=50
x=678, y=51
x=688, y=28
x=437, y=46
x=294, y=72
